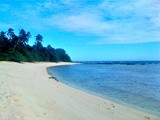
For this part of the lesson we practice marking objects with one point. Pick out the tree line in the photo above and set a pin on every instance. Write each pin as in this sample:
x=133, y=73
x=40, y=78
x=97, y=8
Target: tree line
x=16, y=48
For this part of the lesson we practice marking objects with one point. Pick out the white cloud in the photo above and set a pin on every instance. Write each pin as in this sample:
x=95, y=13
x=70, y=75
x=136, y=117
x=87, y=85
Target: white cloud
x=84, y=22
x=139, y=9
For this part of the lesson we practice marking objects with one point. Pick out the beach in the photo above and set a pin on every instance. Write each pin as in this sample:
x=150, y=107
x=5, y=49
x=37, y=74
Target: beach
x=27, y=92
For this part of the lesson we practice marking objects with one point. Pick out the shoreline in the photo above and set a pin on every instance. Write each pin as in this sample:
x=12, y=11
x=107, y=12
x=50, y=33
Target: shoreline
x=152, y=112
x=27, y=96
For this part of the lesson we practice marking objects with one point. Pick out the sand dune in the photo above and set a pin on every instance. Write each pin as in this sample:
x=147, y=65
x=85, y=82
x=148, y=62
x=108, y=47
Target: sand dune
x=27, y=93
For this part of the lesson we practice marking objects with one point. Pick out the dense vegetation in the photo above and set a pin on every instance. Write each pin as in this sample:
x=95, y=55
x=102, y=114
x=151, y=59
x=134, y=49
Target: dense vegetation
x=15, y=48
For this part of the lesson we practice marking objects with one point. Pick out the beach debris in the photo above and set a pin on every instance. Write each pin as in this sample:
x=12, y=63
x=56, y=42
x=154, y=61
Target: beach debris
x=148, y=118
x=112, y=105
x=54, y=78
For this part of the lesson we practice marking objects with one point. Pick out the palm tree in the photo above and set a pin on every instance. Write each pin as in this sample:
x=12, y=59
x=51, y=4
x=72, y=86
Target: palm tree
x=10, y=34
x=38, y=44
x=24, y=37
x=39, y=38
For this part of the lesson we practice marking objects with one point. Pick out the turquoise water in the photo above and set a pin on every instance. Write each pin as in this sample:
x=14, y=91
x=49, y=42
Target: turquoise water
x=135, y=85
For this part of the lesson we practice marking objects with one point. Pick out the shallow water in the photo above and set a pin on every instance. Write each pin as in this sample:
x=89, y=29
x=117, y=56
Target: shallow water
x=134, y=85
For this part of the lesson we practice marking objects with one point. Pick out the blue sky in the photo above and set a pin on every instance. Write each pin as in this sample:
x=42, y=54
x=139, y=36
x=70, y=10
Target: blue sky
x=90, y=29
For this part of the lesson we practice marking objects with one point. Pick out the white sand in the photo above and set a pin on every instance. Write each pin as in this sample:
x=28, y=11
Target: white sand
x=27, y=93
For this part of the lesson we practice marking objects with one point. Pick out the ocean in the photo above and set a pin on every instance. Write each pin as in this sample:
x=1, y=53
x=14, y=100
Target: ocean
x=135, y=84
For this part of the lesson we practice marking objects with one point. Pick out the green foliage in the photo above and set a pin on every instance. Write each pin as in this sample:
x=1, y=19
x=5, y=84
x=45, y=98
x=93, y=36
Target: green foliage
x=15, y=48
x=62, y=56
